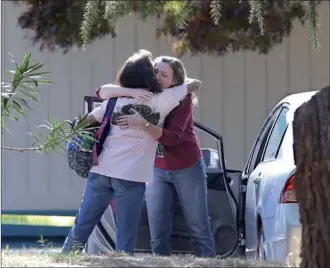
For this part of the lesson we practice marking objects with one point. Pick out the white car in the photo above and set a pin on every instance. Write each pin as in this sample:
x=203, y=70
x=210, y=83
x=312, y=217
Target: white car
x=272, y=220
x=253, y=212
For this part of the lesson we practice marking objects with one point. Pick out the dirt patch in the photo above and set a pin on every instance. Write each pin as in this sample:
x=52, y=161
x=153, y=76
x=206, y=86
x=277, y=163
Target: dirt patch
x=44, y=259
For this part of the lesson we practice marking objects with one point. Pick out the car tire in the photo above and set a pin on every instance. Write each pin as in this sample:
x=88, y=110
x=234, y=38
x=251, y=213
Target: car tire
x=261, y=254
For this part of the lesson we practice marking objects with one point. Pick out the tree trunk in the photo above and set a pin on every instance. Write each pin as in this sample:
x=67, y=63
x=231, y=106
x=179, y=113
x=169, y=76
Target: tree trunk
x=311, y=131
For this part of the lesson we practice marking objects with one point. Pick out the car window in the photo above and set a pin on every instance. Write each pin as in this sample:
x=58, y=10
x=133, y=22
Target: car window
x=281, y=149
x=286, y=148
x=276, y=136
x=258, y=148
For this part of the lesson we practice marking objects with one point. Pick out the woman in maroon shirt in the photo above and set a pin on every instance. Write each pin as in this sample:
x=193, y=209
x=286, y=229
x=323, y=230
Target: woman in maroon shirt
x=179, y=170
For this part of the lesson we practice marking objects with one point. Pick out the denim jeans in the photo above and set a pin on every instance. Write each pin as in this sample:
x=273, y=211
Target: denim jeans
x=189, y=187
x=98, y=193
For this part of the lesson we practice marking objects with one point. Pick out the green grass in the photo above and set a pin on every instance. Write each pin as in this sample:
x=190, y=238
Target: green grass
x=44, y=258
x=57, y=221
x=49, y=256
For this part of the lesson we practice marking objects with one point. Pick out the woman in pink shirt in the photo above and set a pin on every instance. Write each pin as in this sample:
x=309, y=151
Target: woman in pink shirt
x=179, y=172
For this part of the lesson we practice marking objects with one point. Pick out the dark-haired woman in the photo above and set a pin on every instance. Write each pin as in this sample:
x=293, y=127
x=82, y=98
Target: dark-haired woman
x=126, y=161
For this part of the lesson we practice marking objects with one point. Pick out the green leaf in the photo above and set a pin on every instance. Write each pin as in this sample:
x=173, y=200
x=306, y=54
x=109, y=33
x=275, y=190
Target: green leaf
x=83, y=122
x=25, y=79
x=35, y=77
x=30, y=96
x=24, y=102
x=29, y=88
x=44, y=82
x=16, y=64
x=18, y=108
x=16, y=79
x=33, y=67
x=48, y=122
x=110, y=9
x=39, y=73
x=90, y=19
x=12, y=117
x=34, y=134
x=69, y=123
x=256, y=13
x=35, y=82
x=3, y=84
x=314, y=23
x=216, y=11
x=26, y=61
x=181, y=11
x=7, y=87
x=16, y=104
x=45, y=126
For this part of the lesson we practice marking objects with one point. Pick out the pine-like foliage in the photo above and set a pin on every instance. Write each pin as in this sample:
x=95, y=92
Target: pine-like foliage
x=216, y=11
x=314, y=22
x=240, y=27
x=57, y=24
x=209, y=26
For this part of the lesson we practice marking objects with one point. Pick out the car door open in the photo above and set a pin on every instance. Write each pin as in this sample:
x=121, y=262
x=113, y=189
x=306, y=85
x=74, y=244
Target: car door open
x=223, y=197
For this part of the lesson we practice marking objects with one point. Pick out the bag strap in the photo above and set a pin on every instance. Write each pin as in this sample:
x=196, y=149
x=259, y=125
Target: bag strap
x=110, y=107
x=106, y=120
x=107, y=116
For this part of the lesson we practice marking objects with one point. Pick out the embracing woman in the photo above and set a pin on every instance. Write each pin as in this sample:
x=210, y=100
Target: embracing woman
x=179, y=169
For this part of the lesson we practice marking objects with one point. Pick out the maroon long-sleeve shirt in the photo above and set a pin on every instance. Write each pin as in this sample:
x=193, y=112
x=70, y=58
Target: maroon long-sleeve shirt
x=178, y=146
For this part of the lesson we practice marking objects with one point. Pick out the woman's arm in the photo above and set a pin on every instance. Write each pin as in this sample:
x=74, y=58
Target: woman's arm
x=154, y=131
x=174, y=131
x=193, y=85
x=110, y=91
x=137, y=120
x=91, y=119
x=169, y=136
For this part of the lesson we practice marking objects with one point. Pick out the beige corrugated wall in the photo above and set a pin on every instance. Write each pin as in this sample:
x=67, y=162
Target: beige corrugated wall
x=239, y=90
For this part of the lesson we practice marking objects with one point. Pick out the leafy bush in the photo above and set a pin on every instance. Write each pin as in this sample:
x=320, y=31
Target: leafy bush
x=24, y=88
x=213, y=27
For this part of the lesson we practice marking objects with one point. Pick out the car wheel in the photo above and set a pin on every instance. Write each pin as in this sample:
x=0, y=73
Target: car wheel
x=261, y=246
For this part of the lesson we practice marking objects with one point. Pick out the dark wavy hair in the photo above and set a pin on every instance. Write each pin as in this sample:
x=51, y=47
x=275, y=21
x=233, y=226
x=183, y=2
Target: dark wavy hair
x=138, y=72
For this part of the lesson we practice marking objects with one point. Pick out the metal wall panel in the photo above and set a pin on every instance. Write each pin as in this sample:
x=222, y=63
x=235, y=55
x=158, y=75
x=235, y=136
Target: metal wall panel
x=238, y=92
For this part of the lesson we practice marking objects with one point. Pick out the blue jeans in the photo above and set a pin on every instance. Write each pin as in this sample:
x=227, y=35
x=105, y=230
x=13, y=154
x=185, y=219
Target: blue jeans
x=99, y=191
x=189, y=187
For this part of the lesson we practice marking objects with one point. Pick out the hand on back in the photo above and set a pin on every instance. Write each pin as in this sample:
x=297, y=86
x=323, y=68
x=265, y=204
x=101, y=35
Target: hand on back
x=141, y=94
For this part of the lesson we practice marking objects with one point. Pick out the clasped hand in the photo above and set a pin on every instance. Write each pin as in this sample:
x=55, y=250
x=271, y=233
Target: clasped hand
x=141, y=94
x=135, y=119
x=132, y=120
